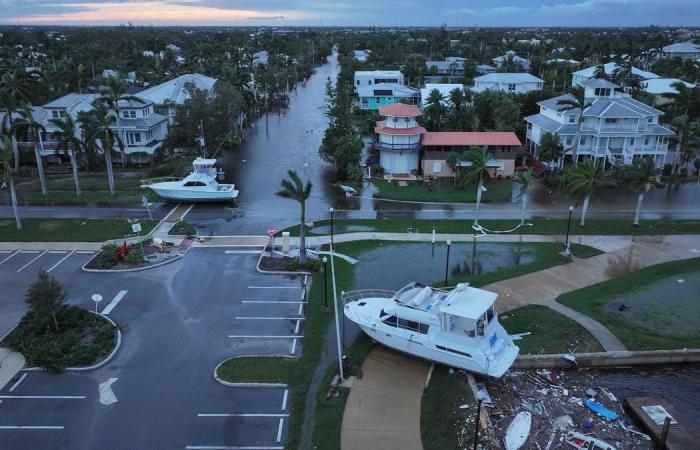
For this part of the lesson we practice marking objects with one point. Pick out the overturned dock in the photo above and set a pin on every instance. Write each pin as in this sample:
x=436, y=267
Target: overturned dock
x=652, y=413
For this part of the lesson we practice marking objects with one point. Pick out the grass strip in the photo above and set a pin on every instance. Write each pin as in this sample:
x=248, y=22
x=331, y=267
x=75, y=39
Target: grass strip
x=499, y=192
x=69, y=230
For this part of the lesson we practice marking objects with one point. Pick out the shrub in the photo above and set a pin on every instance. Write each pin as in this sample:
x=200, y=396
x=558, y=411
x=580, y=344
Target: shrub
x=107, y=258
x=134, y=257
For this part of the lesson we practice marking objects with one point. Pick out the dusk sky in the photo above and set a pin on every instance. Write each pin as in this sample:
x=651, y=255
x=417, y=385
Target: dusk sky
x=354, y=12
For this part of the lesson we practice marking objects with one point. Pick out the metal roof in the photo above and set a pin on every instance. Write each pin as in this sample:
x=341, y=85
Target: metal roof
x=516, y=77
x=682, y=47
x=468, y=302
x=610, y=68
x=467, y=138
x=397, y=90
x=70, y=100
x=174, y=90
x=600, y=83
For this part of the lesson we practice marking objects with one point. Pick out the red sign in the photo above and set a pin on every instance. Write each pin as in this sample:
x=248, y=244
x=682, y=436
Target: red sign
x=271, y=231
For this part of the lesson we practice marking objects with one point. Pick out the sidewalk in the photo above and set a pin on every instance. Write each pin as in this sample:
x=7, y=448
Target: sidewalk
x=10, y=364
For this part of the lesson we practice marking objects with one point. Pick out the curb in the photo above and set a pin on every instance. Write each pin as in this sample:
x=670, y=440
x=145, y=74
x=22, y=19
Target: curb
x=135, y=269
x=102, y=363
x=275, y=272
x=247, y=385
x=610, y=359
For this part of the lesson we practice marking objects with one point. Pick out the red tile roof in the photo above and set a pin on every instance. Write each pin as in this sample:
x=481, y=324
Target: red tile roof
x=466, y=138
x=400, y=110
x=382, y=128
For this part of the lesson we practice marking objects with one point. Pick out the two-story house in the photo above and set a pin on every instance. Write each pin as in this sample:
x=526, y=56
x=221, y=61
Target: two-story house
x=142, y=130
x=512, y=61
x=683, y=50
x=517, y=83
x=616, y=127
x=372, y=77
x=377, y=95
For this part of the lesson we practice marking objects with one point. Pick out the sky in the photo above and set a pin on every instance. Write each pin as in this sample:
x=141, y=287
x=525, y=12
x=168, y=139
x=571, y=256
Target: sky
x=580, y=13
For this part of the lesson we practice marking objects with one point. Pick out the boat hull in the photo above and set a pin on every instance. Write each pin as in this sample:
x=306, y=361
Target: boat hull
x=427, y=351
x=195, y=195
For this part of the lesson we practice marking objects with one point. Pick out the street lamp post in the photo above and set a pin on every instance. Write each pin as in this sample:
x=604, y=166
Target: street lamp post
x=567, y=250
x=479, y=399
x=325, y=283
x=447, y=260
x=331, y=210
x=337, y=325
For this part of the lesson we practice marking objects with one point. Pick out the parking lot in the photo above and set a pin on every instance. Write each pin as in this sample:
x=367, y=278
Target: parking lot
x=178, y=322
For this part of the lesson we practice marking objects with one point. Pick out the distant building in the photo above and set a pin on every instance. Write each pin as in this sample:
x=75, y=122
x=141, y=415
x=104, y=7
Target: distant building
x=361, y=55
x=371, y=77
x=376, y=95
x=166, y=96
x=683, y=50
x=616, y=127
x=260, y=58
x=512, y=59
x=444, y=88
x=506, y=151
x=581, y=76
x=660, y=86
x=564, y=62
x=533, y=42
x=449, y=67
x=109, y=73
x=518, y=83
x=483, y=69
x=173, y=48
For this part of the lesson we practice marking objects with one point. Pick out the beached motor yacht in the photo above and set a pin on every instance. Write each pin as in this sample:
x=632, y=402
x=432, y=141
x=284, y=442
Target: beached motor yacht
x=458, y=328
x=199, y=186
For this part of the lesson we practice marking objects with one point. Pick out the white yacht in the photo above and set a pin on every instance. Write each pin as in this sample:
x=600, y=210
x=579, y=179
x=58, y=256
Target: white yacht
x=199, y=186
x=458, y=328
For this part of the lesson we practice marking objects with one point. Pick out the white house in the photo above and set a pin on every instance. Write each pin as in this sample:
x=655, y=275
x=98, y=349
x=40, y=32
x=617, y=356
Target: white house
x=370, y=77
x=450, y=66
x=444, y=88
x=518, y=83
x=171, y=93
x=516, y=61
x=68, y=105
x=615, y=128
x=660, y=86
x=399, y=138
x=580, y=76
x=361, y=55
x=683, y=50
x=142, y=129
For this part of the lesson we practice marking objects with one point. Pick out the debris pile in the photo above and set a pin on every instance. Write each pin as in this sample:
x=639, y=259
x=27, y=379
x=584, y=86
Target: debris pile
x=568, y=409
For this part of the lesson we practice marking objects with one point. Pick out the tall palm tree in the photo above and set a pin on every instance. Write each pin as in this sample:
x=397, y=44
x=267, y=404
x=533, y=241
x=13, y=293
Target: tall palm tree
x=580, y=181
x=599, y=71
x=15, y=90
x=115, y=95
x=477, y=173
x=576, y=100
x=683, y=97
x=641, y=177
x=435, y=109
x=550, y=149
x=67, y=138
x=294, y=189
x=27, y=124
x=457, y=98
x=6, y=172
x=525, y=179
x=78, y=75
x=104, y=118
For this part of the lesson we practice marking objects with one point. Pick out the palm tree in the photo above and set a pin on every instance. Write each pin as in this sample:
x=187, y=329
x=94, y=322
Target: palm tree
x=580, y=181
x=683, y=97
x=599, y=71
x=642, y=176
x=576, y=100
x=550, y=149
x=115, y=95
x=477, y=173
x=27, y=123
x=66, y=136
x=623, y=71
x=293, y=188
x=525, y=179
x=104, y=118
x=435, y=109
x=15, y=90
x=457, y=98
x=6, y=171
x=78, y=75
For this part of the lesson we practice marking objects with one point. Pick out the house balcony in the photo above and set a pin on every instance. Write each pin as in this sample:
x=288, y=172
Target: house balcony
x=612, y=129
x=383, y=146
x=149, y=148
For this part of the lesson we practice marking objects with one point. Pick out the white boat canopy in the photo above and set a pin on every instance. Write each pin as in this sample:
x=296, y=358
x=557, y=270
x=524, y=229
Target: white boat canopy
x=468, y=302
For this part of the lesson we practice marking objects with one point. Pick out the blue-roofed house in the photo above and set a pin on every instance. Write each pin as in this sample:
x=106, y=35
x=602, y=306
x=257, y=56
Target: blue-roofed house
x=580, y=76
x=683, y=50
x=517, y=83
x=616, y=128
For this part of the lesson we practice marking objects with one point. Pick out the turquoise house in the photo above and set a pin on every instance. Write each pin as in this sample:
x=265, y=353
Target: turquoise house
x=374, y=96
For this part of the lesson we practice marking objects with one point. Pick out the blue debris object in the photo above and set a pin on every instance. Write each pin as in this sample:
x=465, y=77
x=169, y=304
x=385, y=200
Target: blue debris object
x=600, y=410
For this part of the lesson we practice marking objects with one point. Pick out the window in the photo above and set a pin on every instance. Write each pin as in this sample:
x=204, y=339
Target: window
x=440, y=347
x=650, y=120
x=569, y=140
x=369, y=82
x=583, y=140
x=194, y=183
x=632, y=141
x=413, y=326
x=358, y=82
x=407, y=119
x=646, y=140
x=437, y=167
x=395, y=120
x=54, y=114
x=62, y=113
x=511, y=86
x=391, y=321
x=138, y=137
x=610, y=121
x=572, y=119
x=132, y=114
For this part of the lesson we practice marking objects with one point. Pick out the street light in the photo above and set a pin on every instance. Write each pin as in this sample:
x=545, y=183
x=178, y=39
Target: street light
x=479, y=399
x=447, y=260
x=567, y=250
x=325, y=283
x=337, y=326
x=331, y=210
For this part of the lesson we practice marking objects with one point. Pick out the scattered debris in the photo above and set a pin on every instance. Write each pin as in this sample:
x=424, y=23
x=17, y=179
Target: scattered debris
x=600, y=410
x=584, y=441
x=518, y=431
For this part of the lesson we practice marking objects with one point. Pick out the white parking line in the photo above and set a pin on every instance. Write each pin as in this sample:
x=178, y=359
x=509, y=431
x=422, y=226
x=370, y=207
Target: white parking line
x=62, y=259
x=57, y=252
x=274, y=287
x=33, y=427
x=284, y=400
x=262, y=337
x=269, y=318
x=294, y=347
x=301, y=309
x=14, y=386
x=30, y=252
x=279, y=430
x=240, y=415
x=113, y=304
x=43, y=397
x=84, y=252
x=33, y=259
x=9, y=257
x=243, y=252
x=270, y=301
x=230, y=447
x=296, y=328
x=5, y=251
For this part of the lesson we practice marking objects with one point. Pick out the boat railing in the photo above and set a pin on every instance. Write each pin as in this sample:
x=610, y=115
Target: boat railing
x=365, y=293
x=158, y=180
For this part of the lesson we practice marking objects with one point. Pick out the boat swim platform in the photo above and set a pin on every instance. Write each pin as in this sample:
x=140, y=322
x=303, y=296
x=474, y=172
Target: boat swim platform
x=681, y=435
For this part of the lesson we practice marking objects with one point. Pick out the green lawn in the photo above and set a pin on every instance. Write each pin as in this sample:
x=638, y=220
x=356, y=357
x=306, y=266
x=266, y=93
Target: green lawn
x=68, y=230
x=592, y=300
x=551, y=332
x=94, y=189
x=297, y=373
x=440, y=421
x=539, y=226
x=183, y=228
x=497, y=192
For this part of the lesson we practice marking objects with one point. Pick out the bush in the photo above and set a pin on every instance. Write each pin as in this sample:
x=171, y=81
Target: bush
x=133, y=257
x=83, y=338
x=28, y=172
x=107, y=258
x=311, y=265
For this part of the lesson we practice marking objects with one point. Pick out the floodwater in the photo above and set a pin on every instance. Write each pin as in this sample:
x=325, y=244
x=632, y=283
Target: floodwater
x=394, y=265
